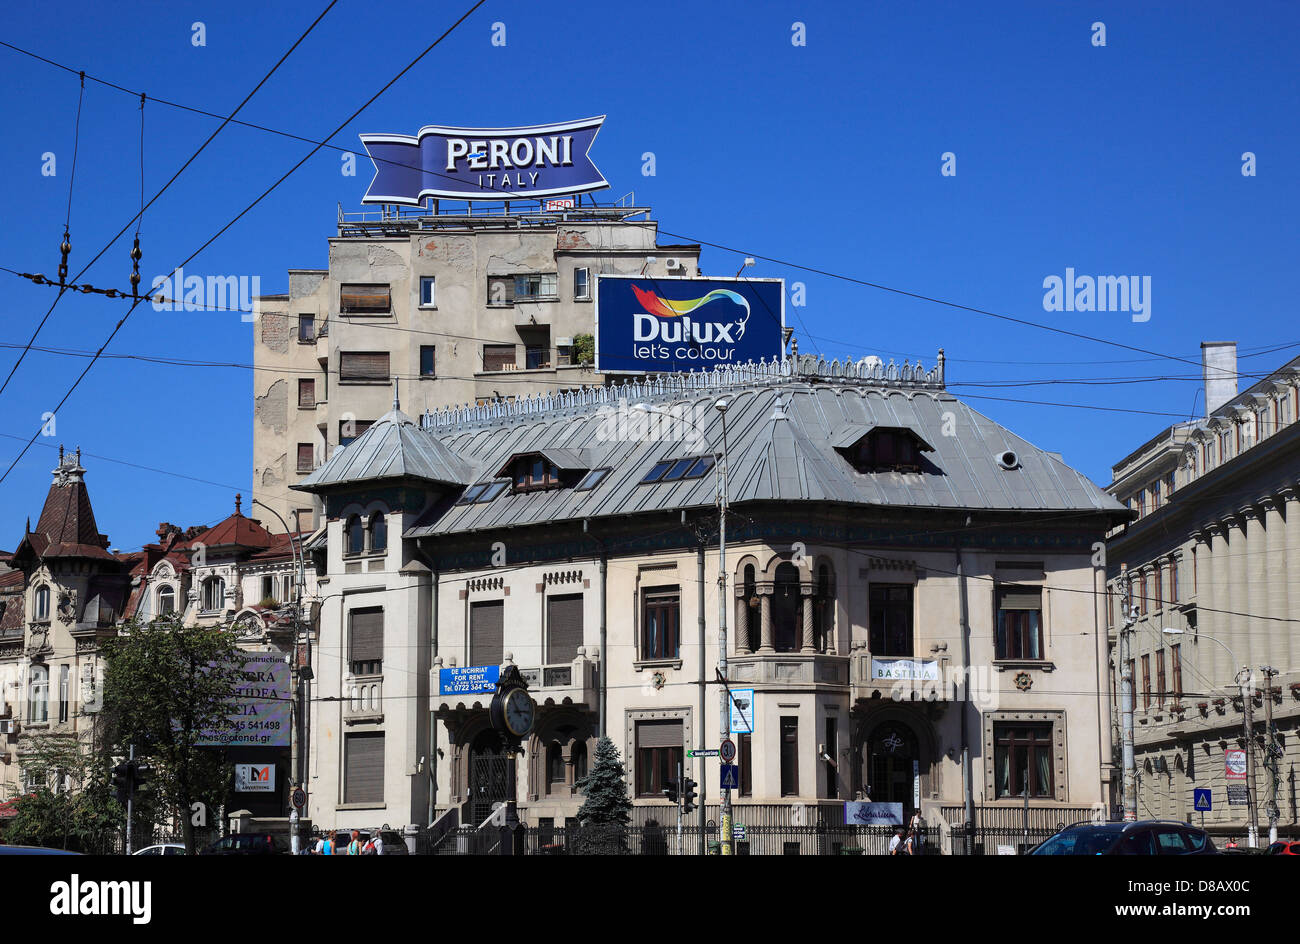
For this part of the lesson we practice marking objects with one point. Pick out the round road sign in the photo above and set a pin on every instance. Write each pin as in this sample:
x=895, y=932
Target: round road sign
x=299, y=798
x=727, y=750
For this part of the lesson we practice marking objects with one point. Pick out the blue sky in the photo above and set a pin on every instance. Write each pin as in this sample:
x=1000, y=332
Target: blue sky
x=1122, y=160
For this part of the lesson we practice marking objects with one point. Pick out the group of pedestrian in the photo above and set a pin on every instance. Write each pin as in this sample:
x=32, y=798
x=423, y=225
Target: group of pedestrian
x=328, y=844
x=909, y=840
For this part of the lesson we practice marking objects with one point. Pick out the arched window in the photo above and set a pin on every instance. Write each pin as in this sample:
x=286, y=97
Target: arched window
x=38, y=695
x=42, y=603
x=166, y=601
x=356, y=536
x=378, y=532
x=214, y=594
x=555, y=763
x=787, y=620
x=578, y=755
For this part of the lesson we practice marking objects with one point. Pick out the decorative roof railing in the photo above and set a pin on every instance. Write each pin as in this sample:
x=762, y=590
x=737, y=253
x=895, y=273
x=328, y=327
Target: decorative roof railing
x=868, y=371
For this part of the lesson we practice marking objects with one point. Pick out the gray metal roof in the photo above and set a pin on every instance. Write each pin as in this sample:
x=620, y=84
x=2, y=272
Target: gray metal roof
x=781, y=432
x=392, y=448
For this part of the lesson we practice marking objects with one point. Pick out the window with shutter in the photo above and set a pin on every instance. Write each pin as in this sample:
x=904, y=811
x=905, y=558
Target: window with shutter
x=498, y=357
x=363, y=768
x=306, y=393
x=658, y=754
x=1020, y=629
x=306, y=457
x=364, y=299
x=563, y=627
x=306, y=328
x=486, y=632
x=363, y=365
x=366, y=641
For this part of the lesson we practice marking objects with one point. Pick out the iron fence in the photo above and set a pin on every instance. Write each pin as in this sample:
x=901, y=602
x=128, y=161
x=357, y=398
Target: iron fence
x=655, y=840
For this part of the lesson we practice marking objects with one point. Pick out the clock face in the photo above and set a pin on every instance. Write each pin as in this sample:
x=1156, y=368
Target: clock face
x=519, y=712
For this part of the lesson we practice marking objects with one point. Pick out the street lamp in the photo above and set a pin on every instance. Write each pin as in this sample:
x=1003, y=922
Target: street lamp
x=724, y=709
x=1247, y=704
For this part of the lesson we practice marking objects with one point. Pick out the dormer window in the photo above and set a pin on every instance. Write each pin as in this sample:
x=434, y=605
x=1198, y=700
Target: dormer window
x=41, y=604
x=166, y=601
x=882, y=448
x=531, y=473
x=214, y=594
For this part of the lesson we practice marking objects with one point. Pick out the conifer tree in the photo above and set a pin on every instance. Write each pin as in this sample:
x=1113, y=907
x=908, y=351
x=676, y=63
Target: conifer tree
x=606, y=812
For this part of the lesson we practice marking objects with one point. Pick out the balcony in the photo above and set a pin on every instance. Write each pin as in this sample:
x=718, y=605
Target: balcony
x=790, y=670
x=363, y=698
x=564, y=683
x=902, y=678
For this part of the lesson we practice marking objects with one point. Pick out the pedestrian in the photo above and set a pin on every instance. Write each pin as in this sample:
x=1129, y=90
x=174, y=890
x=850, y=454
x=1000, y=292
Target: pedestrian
x=372, y=845
x=354, y=847
x=896, y=843
x=326, y=844
x=916, y=829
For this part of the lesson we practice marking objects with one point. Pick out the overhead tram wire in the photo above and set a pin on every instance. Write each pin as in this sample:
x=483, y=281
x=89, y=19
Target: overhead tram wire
x=722, y=246
x=63, y=268
x=243, y=212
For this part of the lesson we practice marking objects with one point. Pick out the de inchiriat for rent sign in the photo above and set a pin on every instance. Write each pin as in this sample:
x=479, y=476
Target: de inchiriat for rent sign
x=484, y=163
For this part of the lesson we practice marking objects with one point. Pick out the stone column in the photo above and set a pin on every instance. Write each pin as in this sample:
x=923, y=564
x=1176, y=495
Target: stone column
x=1279, y=648
x=765, y=624
x=1211, y=660
x=742, y=624
x=1248, y=561
x=809, y=643
x=1237, y=637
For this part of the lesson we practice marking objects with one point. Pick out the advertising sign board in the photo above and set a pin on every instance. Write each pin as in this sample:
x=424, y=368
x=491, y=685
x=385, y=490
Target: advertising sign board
x=647, y=325
x=468, y=680
x=260, y=710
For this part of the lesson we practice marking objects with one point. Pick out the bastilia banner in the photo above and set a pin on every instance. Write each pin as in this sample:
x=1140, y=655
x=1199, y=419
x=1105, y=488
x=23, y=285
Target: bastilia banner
x=648, y=324
x=483, y=163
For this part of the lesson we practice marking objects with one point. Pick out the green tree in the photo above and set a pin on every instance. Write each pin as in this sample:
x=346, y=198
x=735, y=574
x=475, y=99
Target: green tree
x=606, y=812
x=165, y=685
x=584, y=348
x=71, y=806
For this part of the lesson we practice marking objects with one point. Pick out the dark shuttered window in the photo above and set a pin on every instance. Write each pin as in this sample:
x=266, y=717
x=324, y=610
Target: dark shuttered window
x=498, y=357
x=364, y=299
x=306, y=393
x=563, y=627
x=1020, y=623
x=363, y=365
x=366, y=641
x=363, y=768
x=486, y=633
x=306, y=457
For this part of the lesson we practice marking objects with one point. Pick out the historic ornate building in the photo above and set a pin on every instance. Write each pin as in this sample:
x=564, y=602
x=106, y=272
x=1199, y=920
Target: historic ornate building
x=878, y=531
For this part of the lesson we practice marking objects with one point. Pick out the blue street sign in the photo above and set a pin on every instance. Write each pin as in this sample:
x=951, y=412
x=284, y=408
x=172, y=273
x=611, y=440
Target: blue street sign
x=730, y=777
x=1203, y=803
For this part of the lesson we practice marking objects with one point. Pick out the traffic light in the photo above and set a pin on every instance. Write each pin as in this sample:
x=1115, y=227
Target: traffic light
x=670, y=790
x=143, y=775
x=688, y=794
x=122, y=781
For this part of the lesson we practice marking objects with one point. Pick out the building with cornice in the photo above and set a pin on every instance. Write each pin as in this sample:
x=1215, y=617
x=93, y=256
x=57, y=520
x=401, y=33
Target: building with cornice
x=1212, y=564
x=878, y=530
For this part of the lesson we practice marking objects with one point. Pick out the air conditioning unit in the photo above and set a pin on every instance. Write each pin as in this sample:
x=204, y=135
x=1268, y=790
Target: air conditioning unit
x=9, y=727
x=672, y=263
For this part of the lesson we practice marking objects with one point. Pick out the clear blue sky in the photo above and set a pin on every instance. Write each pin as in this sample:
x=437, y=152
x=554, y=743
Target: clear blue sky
x=1122, y=160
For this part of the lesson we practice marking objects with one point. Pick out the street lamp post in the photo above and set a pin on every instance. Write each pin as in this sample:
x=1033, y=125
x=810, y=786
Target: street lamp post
x=724, y=713
x=1247, y=704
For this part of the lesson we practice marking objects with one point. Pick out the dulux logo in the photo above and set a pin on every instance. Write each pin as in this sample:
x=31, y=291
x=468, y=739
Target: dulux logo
x=669, y=321
x=75, y=897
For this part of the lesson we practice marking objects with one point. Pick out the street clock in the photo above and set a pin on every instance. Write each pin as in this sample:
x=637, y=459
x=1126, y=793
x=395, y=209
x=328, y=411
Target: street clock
x=513, y=711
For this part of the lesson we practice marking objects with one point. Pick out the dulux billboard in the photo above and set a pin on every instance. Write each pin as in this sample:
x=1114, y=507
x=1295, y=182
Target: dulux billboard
x=651, y=324
x=483, y=163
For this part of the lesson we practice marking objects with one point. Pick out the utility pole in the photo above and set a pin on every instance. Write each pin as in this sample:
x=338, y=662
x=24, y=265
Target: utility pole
x=1270, y=763
x=130, y=796
x=724, y=706
x=1126, y=698
x=1248, y=705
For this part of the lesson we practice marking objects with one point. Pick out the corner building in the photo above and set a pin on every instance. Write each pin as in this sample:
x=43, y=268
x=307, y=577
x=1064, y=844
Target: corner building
x=575, y=536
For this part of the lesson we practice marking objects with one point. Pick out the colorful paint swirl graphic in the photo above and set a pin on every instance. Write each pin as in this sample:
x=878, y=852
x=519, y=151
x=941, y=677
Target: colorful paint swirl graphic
x=664, y=308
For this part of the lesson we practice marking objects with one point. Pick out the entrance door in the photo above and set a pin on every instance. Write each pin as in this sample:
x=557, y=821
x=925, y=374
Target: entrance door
x=891, y=765
x=489, y=781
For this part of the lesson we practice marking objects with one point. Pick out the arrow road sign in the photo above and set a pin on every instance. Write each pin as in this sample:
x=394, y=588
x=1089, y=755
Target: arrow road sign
x=707, y=752
x=1203, y=802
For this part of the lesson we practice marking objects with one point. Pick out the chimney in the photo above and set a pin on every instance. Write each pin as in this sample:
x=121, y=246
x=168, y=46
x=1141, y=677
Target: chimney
x=1219, y=369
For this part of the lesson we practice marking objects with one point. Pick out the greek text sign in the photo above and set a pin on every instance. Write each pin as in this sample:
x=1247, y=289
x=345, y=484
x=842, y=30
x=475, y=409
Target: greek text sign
x=645, y=325
x=468, y=680
x=483, y=163
x=260, y=710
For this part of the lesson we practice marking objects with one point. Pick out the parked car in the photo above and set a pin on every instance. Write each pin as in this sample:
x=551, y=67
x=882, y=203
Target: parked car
x=247, y=844
x=1284, y=847
x=163, y=848
x=32, y=850
x=1146, y=837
